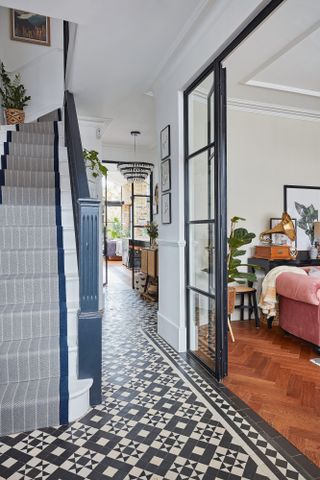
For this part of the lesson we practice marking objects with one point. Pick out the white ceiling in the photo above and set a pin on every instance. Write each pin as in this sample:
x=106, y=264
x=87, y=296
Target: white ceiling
x=121, y=46
x=279, y=63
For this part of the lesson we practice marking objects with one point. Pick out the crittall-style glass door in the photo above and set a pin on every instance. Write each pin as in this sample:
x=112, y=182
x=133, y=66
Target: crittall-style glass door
x=205, y=147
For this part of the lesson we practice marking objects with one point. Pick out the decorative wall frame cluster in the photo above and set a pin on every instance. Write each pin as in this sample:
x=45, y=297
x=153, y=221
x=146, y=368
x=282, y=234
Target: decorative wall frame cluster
x=165, y=151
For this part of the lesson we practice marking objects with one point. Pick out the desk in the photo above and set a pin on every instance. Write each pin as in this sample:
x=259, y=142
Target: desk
x=268, y=265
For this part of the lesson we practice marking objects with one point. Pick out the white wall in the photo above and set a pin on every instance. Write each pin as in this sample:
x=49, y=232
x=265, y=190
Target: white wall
x=264, y=153
x=41, y=67
x=210, y=33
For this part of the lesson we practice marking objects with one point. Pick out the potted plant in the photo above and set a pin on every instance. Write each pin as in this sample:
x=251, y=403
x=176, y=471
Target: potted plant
x=237, y=239
x=93, y=163
x=14, y=97
x=153, y=232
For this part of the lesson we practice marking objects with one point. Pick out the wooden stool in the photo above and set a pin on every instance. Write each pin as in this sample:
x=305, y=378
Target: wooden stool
x=252, y=303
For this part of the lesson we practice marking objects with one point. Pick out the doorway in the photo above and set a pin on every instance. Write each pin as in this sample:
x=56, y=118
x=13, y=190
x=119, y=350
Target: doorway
x=205, y=147
x=127, y=211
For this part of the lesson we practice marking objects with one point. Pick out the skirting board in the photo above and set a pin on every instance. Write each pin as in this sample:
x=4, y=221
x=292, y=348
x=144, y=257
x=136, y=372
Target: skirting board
x=174, y=335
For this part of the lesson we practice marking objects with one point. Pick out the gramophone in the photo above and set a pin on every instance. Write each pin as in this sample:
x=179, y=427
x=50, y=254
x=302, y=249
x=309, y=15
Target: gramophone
x=271, y=251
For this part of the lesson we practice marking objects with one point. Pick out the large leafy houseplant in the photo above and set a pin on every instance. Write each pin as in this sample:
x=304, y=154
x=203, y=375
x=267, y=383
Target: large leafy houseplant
x=13, y=94
x=93, y=163
x=238, y=238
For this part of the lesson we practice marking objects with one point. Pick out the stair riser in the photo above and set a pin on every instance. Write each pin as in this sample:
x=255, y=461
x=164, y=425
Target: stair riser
x=36, y=290
x=32, y=179
x=34, y=407
x=28, y=291
x=26, y=150
x=32, y=138
x=37, y=127
x=28, y=196
x=33, y=216
x=28, y=238
x=28, y=262
x=29, y=360
x=24, y=325
x=33, y=196
x=25, y=179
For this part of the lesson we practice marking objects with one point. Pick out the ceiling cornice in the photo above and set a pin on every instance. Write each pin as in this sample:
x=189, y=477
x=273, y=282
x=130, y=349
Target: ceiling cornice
x=271, y=109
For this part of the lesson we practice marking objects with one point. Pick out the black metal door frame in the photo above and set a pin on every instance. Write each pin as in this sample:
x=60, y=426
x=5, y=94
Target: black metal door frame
x=220, y=188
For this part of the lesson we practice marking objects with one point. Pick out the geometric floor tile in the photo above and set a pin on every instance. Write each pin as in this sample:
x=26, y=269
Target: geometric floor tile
x=159, y=419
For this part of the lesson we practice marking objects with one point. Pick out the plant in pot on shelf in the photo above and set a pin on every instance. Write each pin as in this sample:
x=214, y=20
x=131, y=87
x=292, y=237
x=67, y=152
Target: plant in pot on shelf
x=153, y=232
x=14, y=97
x=93, y=163
x=237, y=239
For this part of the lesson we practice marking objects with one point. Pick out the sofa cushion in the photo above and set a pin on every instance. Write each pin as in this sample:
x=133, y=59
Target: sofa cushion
x=302, y=288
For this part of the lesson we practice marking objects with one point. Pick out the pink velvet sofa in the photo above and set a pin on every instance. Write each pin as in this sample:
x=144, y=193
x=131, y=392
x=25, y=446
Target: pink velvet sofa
x=300, y=305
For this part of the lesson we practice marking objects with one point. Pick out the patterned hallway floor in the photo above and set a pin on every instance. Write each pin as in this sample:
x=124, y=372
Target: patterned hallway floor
x=159, y=419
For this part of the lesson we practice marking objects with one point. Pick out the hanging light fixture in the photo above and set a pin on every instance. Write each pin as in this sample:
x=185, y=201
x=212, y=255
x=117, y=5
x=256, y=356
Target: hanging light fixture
x=135, y=171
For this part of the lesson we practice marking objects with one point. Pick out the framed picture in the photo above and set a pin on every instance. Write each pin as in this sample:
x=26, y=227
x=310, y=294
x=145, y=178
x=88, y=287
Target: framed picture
x=281, y=238
x=166, y=208
x=156, y=200
x=303, y=203
x=165, y=143
x=29, y=27
x=165, y=175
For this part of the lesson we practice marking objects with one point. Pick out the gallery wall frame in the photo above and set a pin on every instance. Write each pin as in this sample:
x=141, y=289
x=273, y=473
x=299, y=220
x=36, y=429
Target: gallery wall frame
x=30, y=27
x=165, y=143
x=166, y=208
x=166, y=175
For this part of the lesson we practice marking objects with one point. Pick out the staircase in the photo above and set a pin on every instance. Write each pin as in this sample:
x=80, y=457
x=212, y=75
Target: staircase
x=39, y=284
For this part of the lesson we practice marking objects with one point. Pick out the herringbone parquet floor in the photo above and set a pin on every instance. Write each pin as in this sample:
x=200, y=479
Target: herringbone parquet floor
x=272, y=373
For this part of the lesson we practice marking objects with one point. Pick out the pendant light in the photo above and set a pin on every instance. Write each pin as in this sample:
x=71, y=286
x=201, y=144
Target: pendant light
x=135, y=171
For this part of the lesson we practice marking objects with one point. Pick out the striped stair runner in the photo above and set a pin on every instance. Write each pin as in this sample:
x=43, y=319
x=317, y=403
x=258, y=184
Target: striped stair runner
x=33, y=313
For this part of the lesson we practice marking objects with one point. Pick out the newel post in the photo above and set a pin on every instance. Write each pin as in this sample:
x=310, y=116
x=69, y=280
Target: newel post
x=89, y=318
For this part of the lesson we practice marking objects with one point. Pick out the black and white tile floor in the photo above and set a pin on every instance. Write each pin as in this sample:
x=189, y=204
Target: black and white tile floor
x=160, y=419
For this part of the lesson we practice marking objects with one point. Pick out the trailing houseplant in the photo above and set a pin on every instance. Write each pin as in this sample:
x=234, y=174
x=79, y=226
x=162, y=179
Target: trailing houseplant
x=14, y=97
x=153, y=232
x=93, y=163
x=238, y=238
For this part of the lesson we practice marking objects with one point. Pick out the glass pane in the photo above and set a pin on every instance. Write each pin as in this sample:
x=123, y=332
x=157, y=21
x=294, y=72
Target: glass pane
x=201, y=187
x=114, y=223
x=202, y=328
x=141, y=234
x=141, y=211
x=200, y=116
x=201, y=257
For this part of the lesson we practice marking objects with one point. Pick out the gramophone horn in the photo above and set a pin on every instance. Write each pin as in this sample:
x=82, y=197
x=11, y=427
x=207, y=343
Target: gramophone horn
x=285, y=227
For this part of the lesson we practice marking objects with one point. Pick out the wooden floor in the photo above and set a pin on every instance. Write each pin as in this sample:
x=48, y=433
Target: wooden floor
x=118, y=274
x=272, y=373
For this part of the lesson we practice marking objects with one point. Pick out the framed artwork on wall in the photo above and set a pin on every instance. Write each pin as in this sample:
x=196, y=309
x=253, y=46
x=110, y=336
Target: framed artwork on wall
x=29, y=27
x=166, y=175
x=165, y=142
x=303, y=203
x=166, y=208
x=156, y=200
x=280, y=238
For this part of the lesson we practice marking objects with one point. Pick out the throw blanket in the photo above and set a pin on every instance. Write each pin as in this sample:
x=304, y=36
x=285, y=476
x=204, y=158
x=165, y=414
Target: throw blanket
x=268, y=299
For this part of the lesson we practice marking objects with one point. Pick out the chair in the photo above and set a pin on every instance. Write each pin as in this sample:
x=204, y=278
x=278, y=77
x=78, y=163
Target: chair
x=252, y=305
